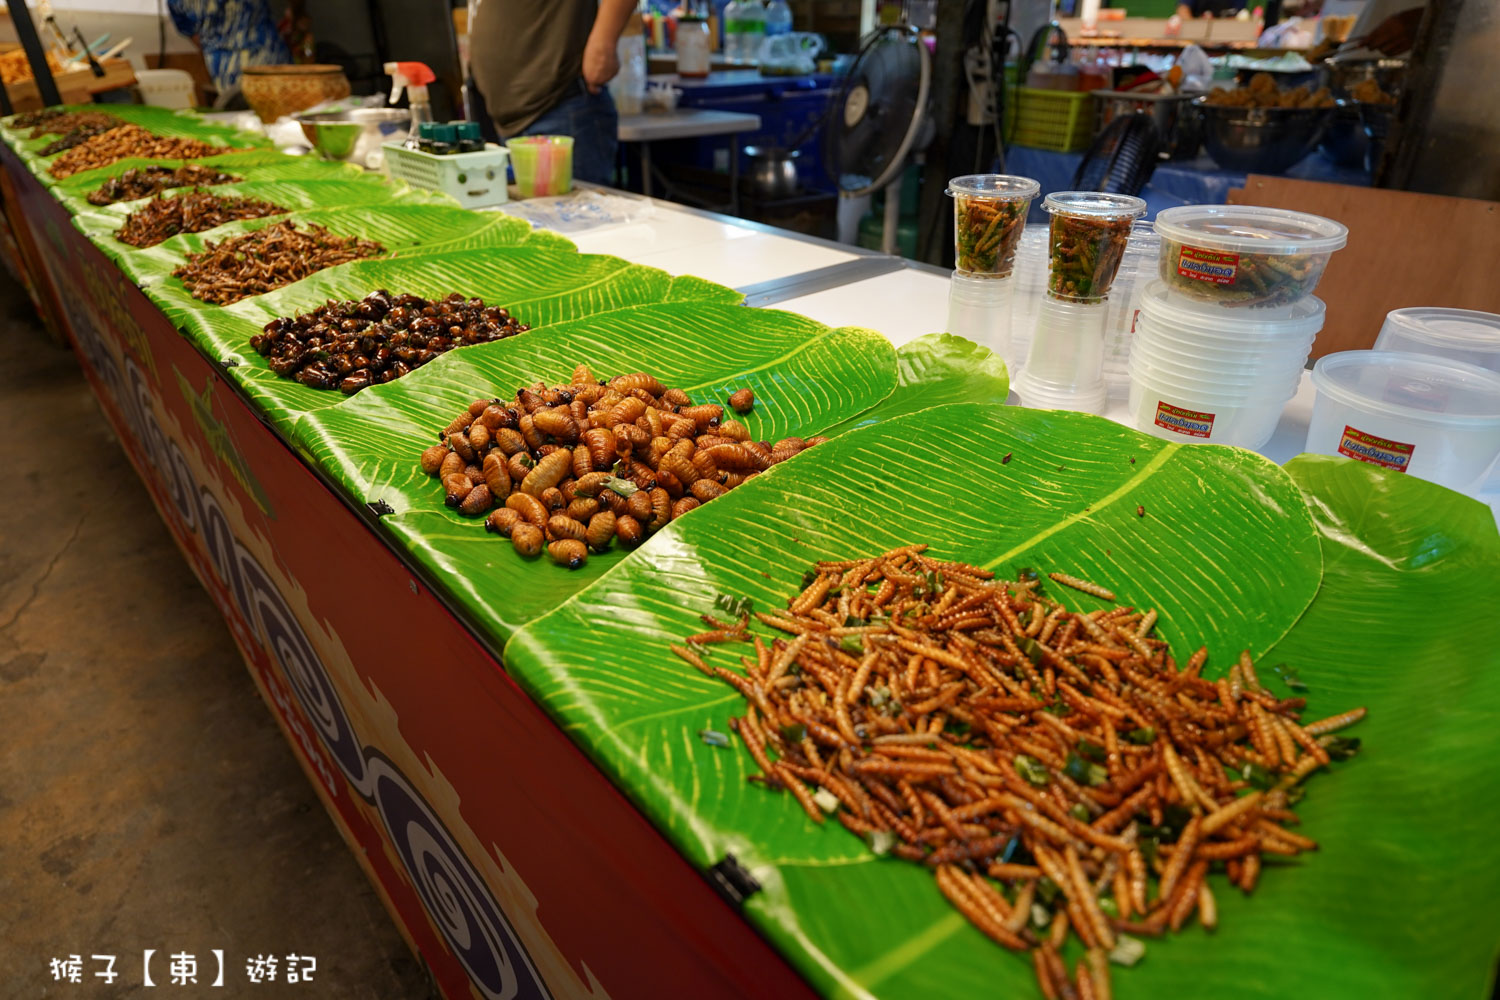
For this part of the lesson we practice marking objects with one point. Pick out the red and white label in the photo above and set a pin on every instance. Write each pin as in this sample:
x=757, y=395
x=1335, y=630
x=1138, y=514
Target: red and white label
x=1375, y=450
x=1208, y=265
x=1187, y=422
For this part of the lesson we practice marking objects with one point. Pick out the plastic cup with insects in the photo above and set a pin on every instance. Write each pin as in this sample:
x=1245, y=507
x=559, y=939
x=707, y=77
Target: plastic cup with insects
x=1087, y=241
x=989, y=212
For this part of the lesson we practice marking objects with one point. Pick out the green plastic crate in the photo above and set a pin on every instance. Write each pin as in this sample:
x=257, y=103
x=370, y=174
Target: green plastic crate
x=1059, y=120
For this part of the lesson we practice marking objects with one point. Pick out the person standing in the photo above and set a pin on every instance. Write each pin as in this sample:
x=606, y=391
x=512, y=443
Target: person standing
x=541, y=67
x=231, y=34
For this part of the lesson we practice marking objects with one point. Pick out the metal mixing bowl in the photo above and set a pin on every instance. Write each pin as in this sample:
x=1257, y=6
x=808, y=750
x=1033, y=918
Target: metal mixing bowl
x=351, y=136
x=1260, y=140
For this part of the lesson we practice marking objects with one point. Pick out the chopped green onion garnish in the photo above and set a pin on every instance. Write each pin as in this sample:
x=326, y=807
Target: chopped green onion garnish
x=1032, y=770
x=1091, y=751
x=1128, y=950
x=826, y=800
x=1140, y=737
x=1340, y=747
x=880, y=842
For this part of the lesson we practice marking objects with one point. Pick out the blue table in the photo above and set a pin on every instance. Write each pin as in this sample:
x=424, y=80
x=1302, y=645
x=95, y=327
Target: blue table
x=1176, y=182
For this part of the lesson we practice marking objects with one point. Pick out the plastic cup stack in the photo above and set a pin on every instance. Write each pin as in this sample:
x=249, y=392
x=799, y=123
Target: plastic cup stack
x=1428, y=417
x=1222, y=339
x=1065, y=363
x=543, y=164
x=989, y=214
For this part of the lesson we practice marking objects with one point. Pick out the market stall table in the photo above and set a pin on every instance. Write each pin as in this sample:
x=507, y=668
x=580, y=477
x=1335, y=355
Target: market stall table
x=687, y=123
x=531, y=839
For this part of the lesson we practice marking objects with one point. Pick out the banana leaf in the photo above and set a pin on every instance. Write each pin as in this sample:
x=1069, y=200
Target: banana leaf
x=540, y=283
x=805, y=376
x=162, y=122
x=273, y=178
x=142, y=264
x=256, y=165
x=1396, y=904
x=406, y=231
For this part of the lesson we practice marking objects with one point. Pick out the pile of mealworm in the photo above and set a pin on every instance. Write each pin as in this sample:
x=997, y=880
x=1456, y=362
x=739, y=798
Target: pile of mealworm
x=125, y=141
x=58, y=122
x=143, y=182
x=1060, y=772
x=351, y=345
x=162, y=218
x=268, y=258
x=582, y=465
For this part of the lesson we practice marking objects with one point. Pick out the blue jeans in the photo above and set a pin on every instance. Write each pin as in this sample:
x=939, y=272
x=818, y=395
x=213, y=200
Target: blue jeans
x=592, y=122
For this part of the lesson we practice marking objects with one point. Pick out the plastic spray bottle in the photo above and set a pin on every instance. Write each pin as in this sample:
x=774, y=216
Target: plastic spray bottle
x=412, y=77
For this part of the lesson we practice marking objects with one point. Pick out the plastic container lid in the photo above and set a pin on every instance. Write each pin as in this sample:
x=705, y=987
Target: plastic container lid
x=444, y=132
x=1001, y=187
x=1302, y=318
x=1251, y=229
x=469, y=131
x=1449, y=329
x=1094, y=205
x=1413, y=387
x=424, y=129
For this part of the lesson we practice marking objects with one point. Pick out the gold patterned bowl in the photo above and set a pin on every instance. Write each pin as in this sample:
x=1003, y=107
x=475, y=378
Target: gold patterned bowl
x=274, y=91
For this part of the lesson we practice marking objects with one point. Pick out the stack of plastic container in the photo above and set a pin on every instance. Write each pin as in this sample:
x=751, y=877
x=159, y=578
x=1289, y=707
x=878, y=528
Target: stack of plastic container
x=1221, y=340
x=989, y=214
x=1087, y=238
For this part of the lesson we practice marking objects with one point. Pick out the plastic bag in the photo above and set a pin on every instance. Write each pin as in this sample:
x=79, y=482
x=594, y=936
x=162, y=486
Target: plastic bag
x=1197, y=69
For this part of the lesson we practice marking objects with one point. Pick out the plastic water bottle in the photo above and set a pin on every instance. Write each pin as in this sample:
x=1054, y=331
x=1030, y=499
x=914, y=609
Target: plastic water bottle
x=754, y=31
x=734, y=29
x=778, y=18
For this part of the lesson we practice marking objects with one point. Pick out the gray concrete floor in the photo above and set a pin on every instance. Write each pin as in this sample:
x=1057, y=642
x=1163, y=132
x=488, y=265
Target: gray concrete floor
x=147, y=799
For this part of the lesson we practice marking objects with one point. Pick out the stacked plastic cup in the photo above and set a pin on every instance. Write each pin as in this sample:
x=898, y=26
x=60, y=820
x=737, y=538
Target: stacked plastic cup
x=1087, y=239
x=1459, y=334
x=989, y=214
x=1222, y=338
x=1426, y=416
x=543, y=164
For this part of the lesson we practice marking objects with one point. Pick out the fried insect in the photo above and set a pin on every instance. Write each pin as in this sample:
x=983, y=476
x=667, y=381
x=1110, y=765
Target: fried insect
x=742, y=401
x=162, y=218
x=595, y=460
x=104, y=148
x=143, y=182
x=980, y=728
x=267, y=258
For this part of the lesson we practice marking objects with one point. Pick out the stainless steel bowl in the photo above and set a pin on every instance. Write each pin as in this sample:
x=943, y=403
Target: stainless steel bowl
x=1260, y=140
x=773, y=171
x=353, y=136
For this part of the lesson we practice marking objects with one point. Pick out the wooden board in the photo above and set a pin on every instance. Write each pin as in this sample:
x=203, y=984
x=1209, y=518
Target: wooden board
x=1405, y=249
x=75, y=88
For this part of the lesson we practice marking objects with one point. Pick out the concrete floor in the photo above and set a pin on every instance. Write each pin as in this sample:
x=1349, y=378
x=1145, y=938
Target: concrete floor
x=147, y=799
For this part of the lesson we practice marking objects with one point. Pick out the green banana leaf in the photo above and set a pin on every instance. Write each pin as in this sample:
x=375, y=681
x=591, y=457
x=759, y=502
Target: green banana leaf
x=406, y=231
x=539, y=282
x=805, y=376
x=1397, y=903
x=157, y=120
x=326, y=198
x=302, y=189
x=256, y=165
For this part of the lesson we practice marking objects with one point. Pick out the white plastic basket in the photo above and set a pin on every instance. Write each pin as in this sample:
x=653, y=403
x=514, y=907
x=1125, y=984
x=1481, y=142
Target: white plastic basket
x=476, y=180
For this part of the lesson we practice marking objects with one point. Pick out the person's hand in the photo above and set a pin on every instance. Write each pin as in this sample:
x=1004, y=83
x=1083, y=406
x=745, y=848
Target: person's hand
x=1396, y=34
x=600, y=63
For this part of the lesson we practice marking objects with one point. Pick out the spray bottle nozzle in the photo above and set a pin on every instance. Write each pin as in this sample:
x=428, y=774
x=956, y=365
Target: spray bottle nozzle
x=408, y=75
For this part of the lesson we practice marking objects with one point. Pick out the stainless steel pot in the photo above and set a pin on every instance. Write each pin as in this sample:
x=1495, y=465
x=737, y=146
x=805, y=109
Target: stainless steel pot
x=773, y=171
x=354, y=136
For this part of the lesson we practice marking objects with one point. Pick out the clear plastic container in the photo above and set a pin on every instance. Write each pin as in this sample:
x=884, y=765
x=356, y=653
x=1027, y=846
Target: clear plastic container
x=989, y=213
x=1228, y=376
x=1270, y=386
x=543, y=164
x=1433, y=418
x=1065, y=364
x=1087, y=240
x=1460, y=334
x=1243, y=255
x=1192, y=417
x=1191, y=320
x=979, y=309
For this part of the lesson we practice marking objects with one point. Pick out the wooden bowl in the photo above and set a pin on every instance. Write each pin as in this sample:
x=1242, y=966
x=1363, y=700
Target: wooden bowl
x=274, y=91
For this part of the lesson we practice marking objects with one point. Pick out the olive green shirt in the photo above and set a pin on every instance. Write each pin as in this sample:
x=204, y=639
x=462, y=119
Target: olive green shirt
x=527, y=55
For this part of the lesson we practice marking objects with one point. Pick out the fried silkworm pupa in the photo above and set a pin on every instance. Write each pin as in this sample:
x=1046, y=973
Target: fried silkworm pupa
x=496, y=475
x=477, y=502
x=497, y=417
x=706, y=490
x=820, y=439
x=786, y=448
x=479, y=437
x=563, y=526
x=432, y=459
x=743, y=401
x=529, y=433
x=527, y=539
x=583, y=464
x=460, y=422
x=451, y=465
x=552, y=498
x=455, y=488
x=520, y=466
x=628, y=530
x=684, y=505
x=601, y=530
x=550, y=471
x=661, y=509
x=459, y=442
x=557, y=422
x=569, y=552
x=582, y=376
x=502, y=521
x=529, y=507
x=638, y=505
x=637, y=380
x=705, y=416
x=582, y=508
x=734, y=431
x=509, y=440
x=478, y=406
x=676, y=397
x=591, y=484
